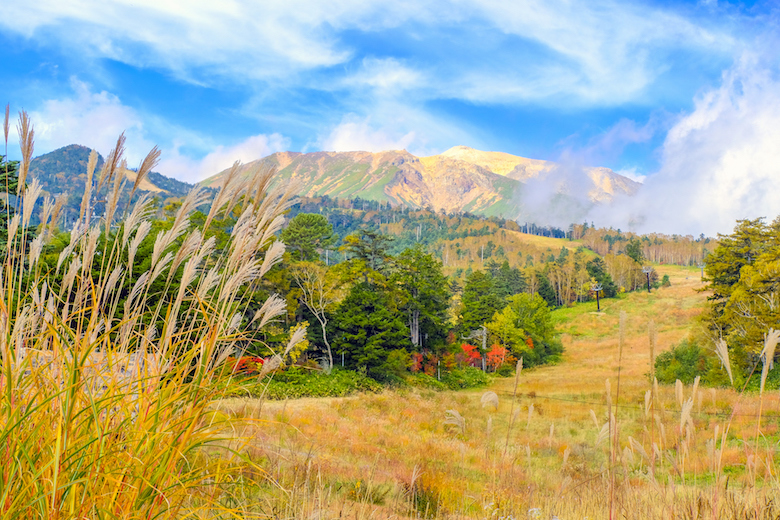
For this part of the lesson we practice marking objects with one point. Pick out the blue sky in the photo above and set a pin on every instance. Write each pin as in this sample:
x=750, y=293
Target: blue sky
x=654, y=90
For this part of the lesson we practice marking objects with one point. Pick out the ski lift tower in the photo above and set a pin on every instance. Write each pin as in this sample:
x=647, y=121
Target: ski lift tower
x=647, y=270
x=597, y=287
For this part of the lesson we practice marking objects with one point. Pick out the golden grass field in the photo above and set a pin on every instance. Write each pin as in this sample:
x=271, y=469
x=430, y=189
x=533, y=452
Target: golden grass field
x=544, y=454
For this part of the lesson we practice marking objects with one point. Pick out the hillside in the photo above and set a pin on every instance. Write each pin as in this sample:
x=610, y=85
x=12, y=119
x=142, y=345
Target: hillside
x=459, y=180
x=65, y=171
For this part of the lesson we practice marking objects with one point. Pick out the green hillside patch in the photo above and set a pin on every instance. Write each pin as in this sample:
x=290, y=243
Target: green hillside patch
x=377, y=191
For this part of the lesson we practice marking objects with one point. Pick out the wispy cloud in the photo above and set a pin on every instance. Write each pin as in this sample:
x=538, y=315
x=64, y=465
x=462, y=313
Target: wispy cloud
x=600, y=51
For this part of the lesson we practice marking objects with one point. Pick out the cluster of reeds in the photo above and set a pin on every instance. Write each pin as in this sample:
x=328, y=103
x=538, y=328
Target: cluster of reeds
x=108, y=375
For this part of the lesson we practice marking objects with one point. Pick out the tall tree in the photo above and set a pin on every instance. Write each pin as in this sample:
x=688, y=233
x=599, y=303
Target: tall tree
x=320, y=290
x=367, y=326
x=419, y=276
x=307, y=234
x=479, y=302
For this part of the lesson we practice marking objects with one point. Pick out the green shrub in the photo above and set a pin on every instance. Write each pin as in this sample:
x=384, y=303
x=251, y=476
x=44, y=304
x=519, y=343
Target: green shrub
x=298, y=382
x=468, y=377
x=684, y=362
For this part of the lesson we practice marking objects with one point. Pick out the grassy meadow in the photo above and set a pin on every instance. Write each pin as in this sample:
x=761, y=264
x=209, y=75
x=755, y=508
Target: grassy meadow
x=114, y=376
x=542, y=445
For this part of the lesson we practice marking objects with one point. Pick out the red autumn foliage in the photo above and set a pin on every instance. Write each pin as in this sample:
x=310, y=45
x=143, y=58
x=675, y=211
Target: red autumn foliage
x=530, y=343
x=496, y=357
x=249, y=365
x=417, y=360
x=471, y=354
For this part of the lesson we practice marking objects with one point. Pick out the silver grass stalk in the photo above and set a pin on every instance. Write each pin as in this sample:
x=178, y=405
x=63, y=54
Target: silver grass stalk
x=722, y=350
x=26, y=142
x=59, y=203
x=648, y=402
x=140, y=283
x=90, y=246
x=245, y=273
x=452, y=417
x=160, y=266
x=603, y=434
x=678, y=392
x=85, y=200
x=112, y=161
x=190, y=245
x=113, y=200
x=150, y=161
x=489, y=399
x=225, y=192
x=70, y=276
x=768, y=354
x=6, y=122
x=275, y=226
x=685, y=415
x=35, y=250
x=141, y=210
x=636, y=446
x=594, y=418
x=13, y=227
x=166, y=238
x=272, y=257
x=273, y=307
x=48, y=207
x=76, y=235
x=30, y=198
x=141, y=233
x=233, y=324
x=113, y=278
x=270, y=365
x=298, y=336
x=208, y=283
x=695, y=387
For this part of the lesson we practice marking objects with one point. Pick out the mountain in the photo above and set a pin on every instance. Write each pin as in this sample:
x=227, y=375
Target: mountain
x=65, y=171
x=459, y=180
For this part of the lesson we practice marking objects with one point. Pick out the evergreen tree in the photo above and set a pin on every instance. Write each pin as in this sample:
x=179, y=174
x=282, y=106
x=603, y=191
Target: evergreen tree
x=479, y=302
x=426, y=303
x=366, y=327
x=307, y=234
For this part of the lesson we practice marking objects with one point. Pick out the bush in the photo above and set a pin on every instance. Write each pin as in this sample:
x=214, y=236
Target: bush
x=298, y=382
x=684, y=362
x=468, y=377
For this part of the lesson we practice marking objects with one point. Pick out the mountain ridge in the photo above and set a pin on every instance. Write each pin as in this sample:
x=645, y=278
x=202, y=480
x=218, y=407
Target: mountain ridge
x=457, y=180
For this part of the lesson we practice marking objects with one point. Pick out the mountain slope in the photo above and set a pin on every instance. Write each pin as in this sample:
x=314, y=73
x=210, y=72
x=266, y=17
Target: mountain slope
x=460, y=179
x=65, y=171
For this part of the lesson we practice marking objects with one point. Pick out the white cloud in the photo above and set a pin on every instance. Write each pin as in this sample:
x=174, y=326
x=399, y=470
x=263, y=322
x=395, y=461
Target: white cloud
x=721, y=162
x=96, y=119
x=358, y=134
x=174, y=164
x=632, y=174
x=93, y=119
